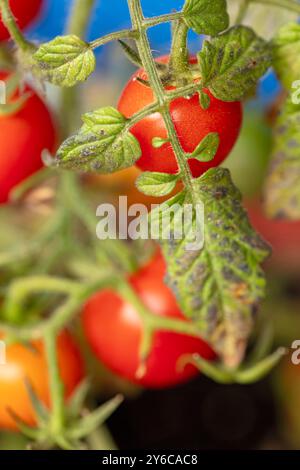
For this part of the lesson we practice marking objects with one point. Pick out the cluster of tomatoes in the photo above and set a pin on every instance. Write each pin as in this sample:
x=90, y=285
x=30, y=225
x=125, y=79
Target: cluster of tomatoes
x=112, y=326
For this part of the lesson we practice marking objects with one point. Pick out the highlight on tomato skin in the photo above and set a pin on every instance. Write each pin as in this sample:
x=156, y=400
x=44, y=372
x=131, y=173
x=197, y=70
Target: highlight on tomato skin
x=24, y=135
x=25, y=12
x=191, y=121
x=114, y=331
x=29, y=363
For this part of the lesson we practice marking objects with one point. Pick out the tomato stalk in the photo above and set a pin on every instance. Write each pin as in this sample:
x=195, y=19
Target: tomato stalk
x=76, y=202
x=77, y=25
x=155, y=20
x=57, y=418
x=10, y=23
x=153, y=322
x=73, y=200
x=179, y=57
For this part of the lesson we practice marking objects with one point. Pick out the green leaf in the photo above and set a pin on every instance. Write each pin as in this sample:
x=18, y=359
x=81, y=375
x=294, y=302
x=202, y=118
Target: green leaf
x=103, y=144
x=231, y=64
x=219, y=284
x=206, y=16
x=65, y=61
x=156, y=184
x=158, y=142
x=207, y=149
x=286, y=48
x=248, y=375
x=131, y=54
x=282, y=190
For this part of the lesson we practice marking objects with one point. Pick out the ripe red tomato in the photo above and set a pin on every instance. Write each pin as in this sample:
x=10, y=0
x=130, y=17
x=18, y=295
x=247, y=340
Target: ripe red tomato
x=23, y=137
x=24, y=12
x=114, y=331
x=30, y=363
x=192, y=124
x=283, y=236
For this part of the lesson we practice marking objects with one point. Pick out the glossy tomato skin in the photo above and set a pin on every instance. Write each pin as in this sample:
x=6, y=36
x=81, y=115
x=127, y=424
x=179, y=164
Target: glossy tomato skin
x=23, y=137
x=282, y=235
x=114, y=331
x=192, y=124
x=24, y=12
x=30, y=363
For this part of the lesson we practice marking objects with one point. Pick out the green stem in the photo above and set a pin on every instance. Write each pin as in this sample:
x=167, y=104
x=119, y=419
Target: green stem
x=10, y=23
x=124, y=34
x=152, y=321
x=77, y=296
x=147, y=111
x=23, y=287
x=22, y=253
x=186, y=90
x=6, y=59
x=291, y=5
x=145, y=52
x=79, y=17
x=179, y=58
x=170, y=95
x=76, y=201
x=156, y=20
x=55, y=384
x=260, y=369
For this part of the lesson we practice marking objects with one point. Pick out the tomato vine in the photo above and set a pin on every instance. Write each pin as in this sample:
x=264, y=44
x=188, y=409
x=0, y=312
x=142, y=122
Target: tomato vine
x=221, y=285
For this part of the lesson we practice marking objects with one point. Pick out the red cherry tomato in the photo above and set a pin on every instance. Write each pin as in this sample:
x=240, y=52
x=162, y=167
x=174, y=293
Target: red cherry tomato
x=23, y=137
x=192, y=124
x=25, y=11
x=114, y=331
x=30, y=363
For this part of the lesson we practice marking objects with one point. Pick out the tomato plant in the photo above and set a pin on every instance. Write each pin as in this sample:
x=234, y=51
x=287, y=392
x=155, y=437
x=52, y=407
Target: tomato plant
x=192, y=123
x=24, y=12
x=114, y=330
x=24, y=134
x=29, y=363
